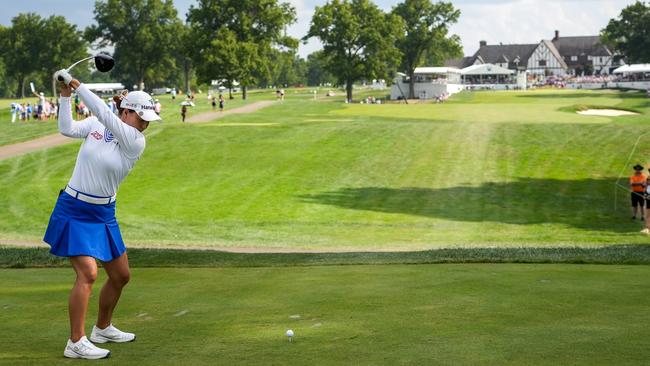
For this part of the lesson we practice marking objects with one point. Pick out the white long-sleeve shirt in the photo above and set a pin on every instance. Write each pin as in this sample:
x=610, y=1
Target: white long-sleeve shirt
x=110, y=148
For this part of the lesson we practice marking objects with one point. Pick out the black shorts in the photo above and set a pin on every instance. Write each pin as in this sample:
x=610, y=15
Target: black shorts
x=637, y=199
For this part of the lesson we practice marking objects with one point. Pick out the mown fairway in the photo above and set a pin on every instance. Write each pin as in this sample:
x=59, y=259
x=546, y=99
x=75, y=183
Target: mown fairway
x=347, y=315
x=486, y=168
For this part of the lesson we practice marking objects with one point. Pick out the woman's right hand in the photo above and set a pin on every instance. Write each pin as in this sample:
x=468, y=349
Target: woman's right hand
x=66, y=90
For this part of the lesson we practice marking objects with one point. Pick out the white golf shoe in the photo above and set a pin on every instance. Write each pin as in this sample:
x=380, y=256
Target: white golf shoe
x=110, y=334
x=84, y=349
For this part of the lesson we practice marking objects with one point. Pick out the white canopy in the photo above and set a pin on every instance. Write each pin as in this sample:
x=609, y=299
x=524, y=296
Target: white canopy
x=436, y=70
x=486, y=69
x=631, y=69
x=104, y=86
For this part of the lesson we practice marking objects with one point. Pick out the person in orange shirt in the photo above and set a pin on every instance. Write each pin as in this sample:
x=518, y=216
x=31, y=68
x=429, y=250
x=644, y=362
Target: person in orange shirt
x=637, y=186
x=646, y=229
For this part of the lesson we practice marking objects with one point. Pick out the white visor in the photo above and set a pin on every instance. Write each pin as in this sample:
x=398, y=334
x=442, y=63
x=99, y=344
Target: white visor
x=142, y=104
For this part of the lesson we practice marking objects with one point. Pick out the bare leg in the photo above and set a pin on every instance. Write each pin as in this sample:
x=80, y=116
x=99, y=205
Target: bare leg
x=86, y=269
x=118, y=276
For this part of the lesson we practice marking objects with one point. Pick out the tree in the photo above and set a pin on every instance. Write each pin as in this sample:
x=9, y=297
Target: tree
x=243, y=31
x=287, y=68
x=183, y=52
x=358, y=40
x=426, y=34
x=317, y=73
x=144, y=34
x=25, y=40
x=629, y=34
x=63, y=45
x=37, y=48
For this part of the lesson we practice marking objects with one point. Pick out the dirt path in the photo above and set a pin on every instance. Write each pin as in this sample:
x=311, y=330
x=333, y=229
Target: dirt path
x=211, y=116
x=57, y=139
x=250, y=250
x=44, y=142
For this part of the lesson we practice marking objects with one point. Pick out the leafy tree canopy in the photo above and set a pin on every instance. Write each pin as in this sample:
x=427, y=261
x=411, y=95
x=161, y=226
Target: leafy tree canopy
x=358, y=40
x=426, y=35
x=629, y=34
x=144, y=34
x=237, y=37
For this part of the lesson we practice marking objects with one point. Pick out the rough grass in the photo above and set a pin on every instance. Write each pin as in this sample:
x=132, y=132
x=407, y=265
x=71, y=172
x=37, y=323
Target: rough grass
x=629, y=254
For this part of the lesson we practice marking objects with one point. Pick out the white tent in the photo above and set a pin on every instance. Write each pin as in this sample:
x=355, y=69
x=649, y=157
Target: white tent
x=436, y=70
x=632, y=69
x=486, y=69
x=104, y=86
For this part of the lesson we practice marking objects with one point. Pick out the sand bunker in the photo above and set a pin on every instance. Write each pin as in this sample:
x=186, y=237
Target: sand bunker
x=606, y=112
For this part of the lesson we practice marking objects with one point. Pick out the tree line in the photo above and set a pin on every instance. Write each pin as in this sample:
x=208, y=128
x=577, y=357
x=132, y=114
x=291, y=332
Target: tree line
x=245, y=41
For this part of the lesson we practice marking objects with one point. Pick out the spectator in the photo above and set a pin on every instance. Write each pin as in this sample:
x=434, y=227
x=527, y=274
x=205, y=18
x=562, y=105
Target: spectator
x=646, y=229
x=637, y=183
x=183, y=112
x=39, y=109
x=157, y=107
x=222, y=101
x=15, y=111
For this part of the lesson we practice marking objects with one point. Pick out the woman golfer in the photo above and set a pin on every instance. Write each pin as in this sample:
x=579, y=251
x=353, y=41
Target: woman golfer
x=83, y=225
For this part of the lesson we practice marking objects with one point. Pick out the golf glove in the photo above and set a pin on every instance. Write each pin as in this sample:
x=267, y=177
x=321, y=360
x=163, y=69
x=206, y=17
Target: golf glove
x=63, y=76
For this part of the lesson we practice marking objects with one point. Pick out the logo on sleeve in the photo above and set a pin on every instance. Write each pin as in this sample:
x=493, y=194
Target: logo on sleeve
x=108, y=135
x=97, y=135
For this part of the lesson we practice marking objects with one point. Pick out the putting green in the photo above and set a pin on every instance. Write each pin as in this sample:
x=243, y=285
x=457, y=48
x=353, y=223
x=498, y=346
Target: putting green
x=361, y=315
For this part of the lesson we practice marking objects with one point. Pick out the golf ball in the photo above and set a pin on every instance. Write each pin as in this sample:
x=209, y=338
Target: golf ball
x=289, y=333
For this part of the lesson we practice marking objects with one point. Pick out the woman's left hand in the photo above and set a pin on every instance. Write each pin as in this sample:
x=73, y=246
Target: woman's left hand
x=65, y=90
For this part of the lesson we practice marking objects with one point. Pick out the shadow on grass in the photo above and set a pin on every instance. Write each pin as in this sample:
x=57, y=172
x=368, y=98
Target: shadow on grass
x=584, y=204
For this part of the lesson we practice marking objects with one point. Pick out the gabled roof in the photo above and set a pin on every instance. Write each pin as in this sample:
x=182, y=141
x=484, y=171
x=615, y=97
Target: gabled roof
x=581, y=46
x=494, y=54
x=459, y=62
x=555, y=53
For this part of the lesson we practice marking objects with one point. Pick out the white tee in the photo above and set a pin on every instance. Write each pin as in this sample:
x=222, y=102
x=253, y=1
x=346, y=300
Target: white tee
x=110, y=148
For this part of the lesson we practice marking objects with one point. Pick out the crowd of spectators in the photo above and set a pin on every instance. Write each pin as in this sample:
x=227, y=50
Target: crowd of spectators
x=562, y=81
x=48, y=110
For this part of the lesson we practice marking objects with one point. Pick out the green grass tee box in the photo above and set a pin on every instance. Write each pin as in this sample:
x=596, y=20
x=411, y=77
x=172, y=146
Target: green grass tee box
x=470, y=314
x=362, y=315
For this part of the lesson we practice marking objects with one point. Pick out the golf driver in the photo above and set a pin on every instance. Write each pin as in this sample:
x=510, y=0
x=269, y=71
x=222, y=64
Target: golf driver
x=103, y=62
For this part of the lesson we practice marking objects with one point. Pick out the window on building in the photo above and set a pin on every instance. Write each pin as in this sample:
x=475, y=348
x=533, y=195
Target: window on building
x=542, y=62
x=574, y=58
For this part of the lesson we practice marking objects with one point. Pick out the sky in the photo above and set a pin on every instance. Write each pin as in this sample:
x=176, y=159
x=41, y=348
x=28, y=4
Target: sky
x=495, y=21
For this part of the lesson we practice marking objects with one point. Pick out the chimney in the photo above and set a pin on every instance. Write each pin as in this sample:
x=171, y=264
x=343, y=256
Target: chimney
x=482, y=43
x=557, y=35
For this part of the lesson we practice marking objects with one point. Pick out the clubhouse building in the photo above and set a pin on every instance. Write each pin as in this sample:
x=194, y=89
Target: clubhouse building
x=560, y=56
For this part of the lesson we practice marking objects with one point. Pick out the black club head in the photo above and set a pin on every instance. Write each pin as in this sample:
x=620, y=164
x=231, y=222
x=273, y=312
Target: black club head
x=104, y=62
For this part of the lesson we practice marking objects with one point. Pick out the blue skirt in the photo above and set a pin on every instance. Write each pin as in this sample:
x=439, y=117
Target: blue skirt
x=80, y=228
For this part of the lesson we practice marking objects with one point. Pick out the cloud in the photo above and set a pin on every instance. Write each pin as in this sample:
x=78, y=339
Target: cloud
x=530, y=21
